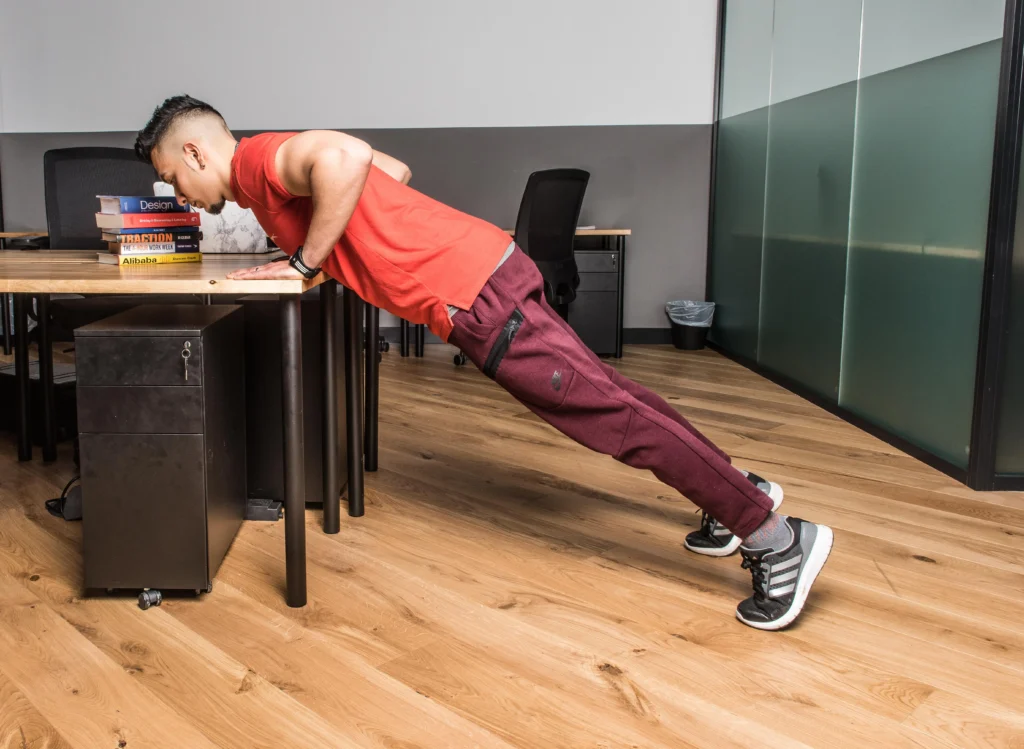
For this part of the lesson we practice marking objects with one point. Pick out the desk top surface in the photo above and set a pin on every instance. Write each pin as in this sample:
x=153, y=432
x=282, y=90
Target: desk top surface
x=78, y=272
x=22, y=234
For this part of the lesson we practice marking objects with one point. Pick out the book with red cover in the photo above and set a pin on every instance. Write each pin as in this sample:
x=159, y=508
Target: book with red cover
x=146, y=220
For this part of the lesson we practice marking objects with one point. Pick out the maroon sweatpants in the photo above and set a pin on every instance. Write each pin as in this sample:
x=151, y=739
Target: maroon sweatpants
x=514, y=336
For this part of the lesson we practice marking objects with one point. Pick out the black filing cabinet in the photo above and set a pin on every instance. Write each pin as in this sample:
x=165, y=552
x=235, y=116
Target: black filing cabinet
x=596, y=312
x=161, y=415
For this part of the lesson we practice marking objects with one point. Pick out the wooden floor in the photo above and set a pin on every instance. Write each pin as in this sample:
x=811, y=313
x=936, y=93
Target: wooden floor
x=508, y=588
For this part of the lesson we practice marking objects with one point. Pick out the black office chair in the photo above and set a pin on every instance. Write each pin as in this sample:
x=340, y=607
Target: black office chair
x=72, y=178
x=546, y=229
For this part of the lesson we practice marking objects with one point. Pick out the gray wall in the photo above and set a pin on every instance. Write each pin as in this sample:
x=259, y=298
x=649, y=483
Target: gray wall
x=652, y=179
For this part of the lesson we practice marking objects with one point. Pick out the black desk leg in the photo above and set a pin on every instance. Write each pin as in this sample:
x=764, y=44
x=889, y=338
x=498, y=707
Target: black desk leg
x=372, y=385
x=21, y=375
x=329, y=371
x=421, y=331
x=5, y=312
x=354, y=401
x=620, y=245
x=403, y=337
x=294, y=474
x=46, y=380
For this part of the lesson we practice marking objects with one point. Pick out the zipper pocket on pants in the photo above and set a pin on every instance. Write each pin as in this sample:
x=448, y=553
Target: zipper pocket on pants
x=500, y=348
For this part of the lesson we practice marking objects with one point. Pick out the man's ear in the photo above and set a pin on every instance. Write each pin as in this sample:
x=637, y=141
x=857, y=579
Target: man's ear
x=194, y=156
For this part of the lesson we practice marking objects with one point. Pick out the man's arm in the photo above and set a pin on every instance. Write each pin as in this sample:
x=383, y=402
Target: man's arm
x=392, y=167
x=332, y=168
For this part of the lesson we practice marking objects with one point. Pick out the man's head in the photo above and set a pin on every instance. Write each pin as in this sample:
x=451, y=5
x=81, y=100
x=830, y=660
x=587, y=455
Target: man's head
x=190, y=146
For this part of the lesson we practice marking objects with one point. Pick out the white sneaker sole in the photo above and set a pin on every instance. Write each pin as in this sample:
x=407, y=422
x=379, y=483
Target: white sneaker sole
x=815, y=561
x=775, y=494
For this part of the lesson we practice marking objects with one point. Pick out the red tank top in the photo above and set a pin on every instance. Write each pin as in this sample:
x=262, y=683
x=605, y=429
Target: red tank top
x=401, y=251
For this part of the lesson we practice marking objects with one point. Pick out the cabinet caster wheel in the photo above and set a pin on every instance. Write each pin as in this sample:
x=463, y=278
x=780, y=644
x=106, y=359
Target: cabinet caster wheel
x=149, y=598
x=460, y=360
x=110, y=591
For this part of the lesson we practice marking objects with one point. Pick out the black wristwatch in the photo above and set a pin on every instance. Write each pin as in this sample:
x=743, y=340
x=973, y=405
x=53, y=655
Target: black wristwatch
x=297, y=263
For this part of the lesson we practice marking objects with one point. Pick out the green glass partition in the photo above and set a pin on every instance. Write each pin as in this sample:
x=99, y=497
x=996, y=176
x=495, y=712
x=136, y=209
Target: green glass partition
x=853, y=170
x=919, y=219
x=810, y=153
x=737, y=231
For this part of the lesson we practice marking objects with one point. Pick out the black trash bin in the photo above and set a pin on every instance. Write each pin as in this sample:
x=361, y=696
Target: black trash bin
x=690, y=323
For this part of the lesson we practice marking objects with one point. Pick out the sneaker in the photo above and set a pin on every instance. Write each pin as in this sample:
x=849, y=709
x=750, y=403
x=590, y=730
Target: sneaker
x=782, y=579
x=714, y=539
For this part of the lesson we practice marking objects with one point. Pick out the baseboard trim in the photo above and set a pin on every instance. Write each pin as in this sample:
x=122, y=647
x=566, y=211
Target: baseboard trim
x=1008, y=483
x=644, y=336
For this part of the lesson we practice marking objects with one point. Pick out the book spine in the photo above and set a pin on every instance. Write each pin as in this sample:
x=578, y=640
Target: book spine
x=153, y=204
x=171, y=257
x=151, y=248
x=179, y=230
x=157, y=236
x=160, y=220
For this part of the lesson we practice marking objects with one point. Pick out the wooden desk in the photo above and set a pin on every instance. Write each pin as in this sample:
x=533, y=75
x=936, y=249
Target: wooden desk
x=22, y=234
x=41, y=273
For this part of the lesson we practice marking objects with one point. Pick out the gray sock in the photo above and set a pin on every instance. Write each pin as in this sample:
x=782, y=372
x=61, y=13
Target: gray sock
x=774, y=533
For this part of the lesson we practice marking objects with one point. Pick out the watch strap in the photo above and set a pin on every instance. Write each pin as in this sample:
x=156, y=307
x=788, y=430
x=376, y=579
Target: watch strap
x=297, y=262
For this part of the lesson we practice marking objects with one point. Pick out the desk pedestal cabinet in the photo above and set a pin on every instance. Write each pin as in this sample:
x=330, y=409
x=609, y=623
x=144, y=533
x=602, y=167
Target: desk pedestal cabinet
x=596, y=312
x=161, y=415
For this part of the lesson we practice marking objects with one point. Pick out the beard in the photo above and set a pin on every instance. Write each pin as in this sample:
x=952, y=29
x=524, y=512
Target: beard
x=216, y=208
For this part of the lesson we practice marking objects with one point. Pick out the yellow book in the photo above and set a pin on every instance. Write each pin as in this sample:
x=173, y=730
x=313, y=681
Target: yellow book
x=169, y=257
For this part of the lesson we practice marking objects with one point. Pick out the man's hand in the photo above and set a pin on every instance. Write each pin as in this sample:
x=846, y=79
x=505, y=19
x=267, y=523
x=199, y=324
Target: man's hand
x=272, y=270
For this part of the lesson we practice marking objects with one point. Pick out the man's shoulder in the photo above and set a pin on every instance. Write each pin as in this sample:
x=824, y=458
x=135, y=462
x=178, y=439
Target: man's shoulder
x=253, y=169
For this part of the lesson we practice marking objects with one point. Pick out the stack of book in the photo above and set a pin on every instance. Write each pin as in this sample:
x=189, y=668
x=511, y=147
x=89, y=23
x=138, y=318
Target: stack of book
x=148, y=230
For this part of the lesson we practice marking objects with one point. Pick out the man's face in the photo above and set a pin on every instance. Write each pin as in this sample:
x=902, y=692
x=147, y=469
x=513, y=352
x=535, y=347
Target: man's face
x=188, y=172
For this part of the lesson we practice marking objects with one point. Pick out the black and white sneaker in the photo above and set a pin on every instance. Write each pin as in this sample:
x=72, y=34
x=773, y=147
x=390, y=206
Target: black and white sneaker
x=714, y=539
x=782, y=579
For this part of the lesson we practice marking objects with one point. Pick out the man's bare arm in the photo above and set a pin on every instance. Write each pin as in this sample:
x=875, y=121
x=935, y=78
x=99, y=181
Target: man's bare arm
x=392, y=167
x=332, y=168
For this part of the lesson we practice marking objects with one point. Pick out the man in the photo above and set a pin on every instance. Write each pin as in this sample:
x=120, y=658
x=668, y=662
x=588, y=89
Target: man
x=333, y=203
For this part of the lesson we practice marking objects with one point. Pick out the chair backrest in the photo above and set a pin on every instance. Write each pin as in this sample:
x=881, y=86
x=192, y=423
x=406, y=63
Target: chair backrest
x=546, y=227
x=73, y=177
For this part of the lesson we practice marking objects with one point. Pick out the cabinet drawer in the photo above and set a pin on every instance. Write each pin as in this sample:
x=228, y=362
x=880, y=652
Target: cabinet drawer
x=144, y=511
x=597, y=262
x=138, y=360
x=140, y=410
x=594, y=316
x=599, y=282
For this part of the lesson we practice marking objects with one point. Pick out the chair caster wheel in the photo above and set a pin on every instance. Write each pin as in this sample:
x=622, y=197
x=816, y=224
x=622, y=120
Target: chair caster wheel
x=460, y=359
x=385, y=346
x=149, y=598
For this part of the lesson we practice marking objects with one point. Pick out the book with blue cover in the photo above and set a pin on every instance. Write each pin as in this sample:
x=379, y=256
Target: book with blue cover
x=115, y=204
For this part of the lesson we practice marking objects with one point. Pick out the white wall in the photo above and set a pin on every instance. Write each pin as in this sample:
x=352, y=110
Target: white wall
x=797, y=47
x=103, y=65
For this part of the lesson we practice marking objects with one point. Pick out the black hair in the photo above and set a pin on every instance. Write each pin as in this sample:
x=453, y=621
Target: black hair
x=172, y=110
